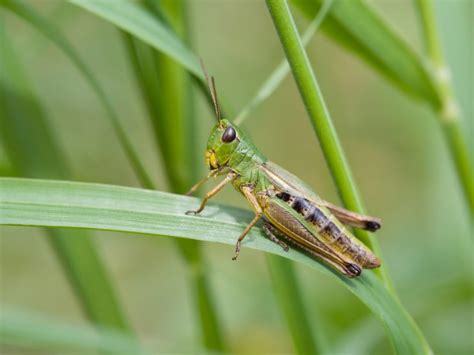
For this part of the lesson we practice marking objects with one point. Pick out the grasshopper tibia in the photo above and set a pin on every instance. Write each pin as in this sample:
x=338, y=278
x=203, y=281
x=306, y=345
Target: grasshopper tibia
x=271, y=232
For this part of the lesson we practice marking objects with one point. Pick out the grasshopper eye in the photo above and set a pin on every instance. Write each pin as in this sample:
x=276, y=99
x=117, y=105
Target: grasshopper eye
x=229, y=135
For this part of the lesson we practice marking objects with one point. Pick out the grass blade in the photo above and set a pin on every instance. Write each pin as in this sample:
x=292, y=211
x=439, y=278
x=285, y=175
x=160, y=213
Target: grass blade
x=53, y=34
x=135, y=20
x=325, y=130
x=34, y=153
x=291, y=302
x=81, y=205
x=317, y=111
x=359, y=28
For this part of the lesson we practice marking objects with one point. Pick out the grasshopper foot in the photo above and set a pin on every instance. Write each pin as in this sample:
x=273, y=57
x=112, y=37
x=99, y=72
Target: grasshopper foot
x=192, y=213
x=237, y=250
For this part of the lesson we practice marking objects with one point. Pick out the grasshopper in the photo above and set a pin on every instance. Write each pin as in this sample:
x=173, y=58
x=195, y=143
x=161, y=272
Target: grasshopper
x=291, y=211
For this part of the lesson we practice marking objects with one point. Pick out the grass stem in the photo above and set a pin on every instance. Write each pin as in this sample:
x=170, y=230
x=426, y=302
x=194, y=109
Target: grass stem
x=448, y=113
x=319, y=115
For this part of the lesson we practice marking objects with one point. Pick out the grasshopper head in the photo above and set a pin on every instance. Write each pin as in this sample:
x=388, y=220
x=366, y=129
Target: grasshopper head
x=223, y=141
x=225, y=137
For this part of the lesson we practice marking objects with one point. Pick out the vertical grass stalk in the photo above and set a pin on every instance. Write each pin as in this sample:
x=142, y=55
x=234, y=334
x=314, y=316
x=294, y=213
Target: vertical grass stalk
x=449, y=113
x=320, y=117
x=290, y=300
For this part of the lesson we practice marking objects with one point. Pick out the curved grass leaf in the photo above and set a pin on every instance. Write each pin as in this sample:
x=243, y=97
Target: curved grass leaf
x=359, y=28
x=33, y=152
x=53, y=34
x=80, y=205
x=135, y=20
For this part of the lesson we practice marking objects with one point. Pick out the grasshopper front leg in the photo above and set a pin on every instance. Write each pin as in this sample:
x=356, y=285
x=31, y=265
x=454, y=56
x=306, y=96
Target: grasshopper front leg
x=211, y=174
x=231, y=176
x=248, y=192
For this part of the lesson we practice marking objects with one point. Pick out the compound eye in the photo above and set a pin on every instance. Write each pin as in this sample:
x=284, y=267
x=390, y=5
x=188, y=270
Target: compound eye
x=229, y=135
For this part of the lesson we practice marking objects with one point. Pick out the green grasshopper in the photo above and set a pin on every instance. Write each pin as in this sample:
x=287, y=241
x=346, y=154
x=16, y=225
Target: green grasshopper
x=292, y=213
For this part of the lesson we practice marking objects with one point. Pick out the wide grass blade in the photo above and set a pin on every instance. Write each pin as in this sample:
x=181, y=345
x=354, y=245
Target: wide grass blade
x=81, y=205
x=359, y=28
x=34, y=153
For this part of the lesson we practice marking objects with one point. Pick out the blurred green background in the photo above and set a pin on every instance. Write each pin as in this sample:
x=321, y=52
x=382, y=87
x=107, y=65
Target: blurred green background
x=394, y=146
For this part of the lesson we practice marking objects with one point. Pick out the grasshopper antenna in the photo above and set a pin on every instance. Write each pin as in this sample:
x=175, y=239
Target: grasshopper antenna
x=212, y=89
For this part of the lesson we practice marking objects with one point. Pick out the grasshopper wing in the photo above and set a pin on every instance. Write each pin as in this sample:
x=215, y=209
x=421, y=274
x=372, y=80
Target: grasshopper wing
x=283, y=180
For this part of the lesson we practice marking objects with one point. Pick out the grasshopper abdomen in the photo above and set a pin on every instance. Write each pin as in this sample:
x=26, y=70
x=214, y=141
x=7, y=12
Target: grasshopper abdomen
x=325, y=227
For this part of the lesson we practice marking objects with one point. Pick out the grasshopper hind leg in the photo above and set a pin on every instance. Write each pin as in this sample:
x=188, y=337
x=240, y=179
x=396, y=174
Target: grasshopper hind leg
x=271, y=233
x=349, y=269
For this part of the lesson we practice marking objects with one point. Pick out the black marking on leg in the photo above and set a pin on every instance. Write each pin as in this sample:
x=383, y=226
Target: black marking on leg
x=353, y=269
x=372, y=226
x=237, y=250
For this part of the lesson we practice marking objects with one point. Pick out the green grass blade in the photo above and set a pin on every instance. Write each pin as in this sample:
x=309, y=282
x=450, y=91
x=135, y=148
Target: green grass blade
x=81, y=205
x=53, y=34
x=281, y=71
x=322, y=123
x=135, y=20
x=359, y=28
x=33, y=153
x=31, y=331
